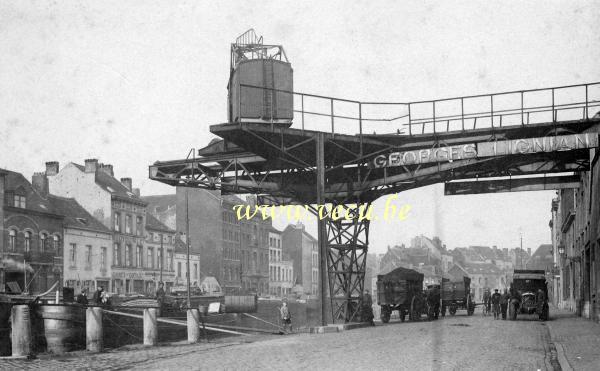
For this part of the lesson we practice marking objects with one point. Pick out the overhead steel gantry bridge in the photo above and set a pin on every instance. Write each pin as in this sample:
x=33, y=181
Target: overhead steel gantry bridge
x=343, y=151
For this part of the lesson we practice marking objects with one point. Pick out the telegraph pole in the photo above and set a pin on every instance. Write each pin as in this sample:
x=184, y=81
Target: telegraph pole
x=187, y=242
x=162, y=258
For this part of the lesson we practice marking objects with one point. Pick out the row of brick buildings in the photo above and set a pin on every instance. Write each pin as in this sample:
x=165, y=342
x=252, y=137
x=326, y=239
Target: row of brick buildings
x=244, y=256
x=575, y=227
x=81, y=227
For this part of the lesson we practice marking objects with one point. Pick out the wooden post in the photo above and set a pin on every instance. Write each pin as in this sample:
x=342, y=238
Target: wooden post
x=150, y=327
x=193, y=325
x=21, y=331
x=94, y=332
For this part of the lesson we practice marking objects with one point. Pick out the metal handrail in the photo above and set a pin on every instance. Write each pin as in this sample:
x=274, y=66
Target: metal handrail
x=437, y=116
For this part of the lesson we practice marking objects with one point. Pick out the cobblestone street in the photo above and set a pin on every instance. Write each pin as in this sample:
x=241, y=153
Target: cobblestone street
x=453, y=343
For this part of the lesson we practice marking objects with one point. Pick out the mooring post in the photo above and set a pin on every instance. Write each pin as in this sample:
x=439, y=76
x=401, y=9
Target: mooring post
x=21, y=331
x=94, y=332
x=193, y=325
x=150, y=327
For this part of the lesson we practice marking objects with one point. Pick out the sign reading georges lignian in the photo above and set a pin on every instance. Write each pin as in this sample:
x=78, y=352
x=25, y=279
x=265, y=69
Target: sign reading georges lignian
x=487, y=149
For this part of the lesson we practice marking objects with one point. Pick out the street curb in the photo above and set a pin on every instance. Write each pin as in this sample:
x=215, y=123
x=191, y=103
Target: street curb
x=338, y=327
x=562, y=359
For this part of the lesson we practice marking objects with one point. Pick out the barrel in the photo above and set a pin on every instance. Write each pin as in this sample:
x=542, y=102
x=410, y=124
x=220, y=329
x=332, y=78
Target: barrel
x=241, y=303
x=63, y=327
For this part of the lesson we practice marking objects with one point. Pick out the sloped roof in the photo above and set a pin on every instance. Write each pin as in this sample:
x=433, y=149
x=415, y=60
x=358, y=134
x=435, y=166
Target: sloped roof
x=160, y=203
x=15, y=181
x=75, y=215
x=401, y=273
x=112, y=185
x=156, y=225
x=481, y=268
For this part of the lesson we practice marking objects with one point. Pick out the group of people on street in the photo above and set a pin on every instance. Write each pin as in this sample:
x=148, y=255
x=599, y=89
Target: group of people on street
x=499, y=303
x=100, y=297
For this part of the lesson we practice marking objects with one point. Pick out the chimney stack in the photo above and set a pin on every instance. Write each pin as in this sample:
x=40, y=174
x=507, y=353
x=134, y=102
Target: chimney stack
x=127, y=183
x=51, y=168
x=39, y=181
x=108, y=169
x=136, y=191
x=529, y=251
x=91, y=165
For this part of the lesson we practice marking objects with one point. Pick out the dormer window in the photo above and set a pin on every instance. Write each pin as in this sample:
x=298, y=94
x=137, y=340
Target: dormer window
x=19, y=201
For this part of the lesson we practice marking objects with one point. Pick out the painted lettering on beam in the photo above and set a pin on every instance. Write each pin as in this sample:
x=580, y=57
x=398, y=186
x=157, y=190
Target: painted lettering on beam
x=537, y=145
x=487, y=149
x=442, y=154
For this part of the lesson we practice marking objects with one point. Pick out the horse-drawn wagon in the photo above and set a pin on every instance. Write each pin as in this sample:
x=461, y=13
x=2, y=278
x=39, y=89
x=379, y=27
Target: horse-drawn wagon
x=401, y=290
x=456, y=294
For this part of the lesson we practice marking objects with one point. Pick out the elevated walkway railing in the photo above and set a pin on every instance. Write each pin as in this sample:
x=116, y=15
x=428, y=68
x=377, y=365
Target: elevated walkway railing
x=520, y=107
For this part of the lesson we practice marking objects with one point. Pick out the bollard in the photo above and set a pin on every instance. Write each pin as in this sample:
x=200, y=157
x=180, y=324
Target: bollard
x=93, y=329
x=150, y=327
x=193, y=325
x=21, y=331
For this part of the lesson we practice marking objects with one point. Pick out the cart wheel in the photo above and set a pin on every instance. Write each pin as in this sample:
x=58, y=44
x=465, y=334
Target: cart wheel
x=512, y=311
x=470, y=308
x=414, y=310
x=385, y=313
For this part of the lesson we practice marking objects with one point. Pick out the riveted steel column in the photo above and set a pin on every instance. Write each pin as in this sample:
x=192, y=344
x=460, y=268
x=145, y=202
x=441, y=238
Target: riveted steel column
x=322, y=235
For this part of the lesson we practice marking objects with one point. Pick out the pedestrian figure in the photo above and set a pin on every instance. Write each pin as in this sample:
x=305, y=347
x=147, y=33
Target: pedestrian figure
x=504, y=303
x=286, y=317
x=82, y=297
x=486, y=301
x=496, y=303
x=367, y=308
x=97, y=298
x=540, y=302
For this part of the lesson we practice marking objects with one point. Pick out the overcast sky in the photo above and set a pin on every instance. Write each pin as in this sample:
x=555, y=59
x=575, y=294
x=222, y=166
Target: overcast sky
x=132, y=82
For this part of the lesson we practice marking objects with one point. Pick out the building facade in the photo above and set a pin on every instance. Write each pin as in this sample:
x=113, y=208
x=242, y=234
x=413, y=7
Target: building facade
x=180, y=266
x=118, y=206
x=32, y=231
x=302, y=249
x=281, y=272
x=159, y=256
x=87, y=247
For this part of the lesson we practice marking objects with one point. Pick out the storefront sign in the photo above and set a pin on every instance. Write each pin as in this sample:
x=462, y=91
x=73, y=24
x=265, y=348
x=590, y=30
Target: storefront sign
x=487, y=149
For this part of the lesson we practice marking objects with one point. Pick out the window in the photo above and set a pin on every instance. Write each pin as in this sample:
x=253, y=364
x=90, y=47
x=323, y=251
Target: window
x=43, y=241
x=128, y=222
x=103, y=258
x=88, y=255
x=27, y=241
x=117, y=222
x=138, y=225
x=170, y=259
x=179, y=269
x=150, y=258
x=72, y=254
x=117, y=252
x=195, y=271
x=138, y=256
x=19, y=201
x=12, y=240
x=128, y=255
x=56, y=243
x=159, y=258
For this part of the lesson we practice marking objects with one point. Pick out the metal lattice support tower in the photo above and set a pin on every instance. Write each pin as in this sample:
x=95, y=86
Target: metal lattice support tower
x=347, y=246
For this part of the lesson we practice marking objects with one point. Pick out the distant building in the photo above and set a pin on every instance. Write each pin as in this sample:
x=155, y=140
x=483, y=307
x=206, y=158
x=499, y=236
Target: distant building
x=160, y=257
x=302, y=248
x=118, y=206
x=542, y=258
x=180, y=266
x=32, y=235
x=87, y=247
x=483, y=275
x=281, y=272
